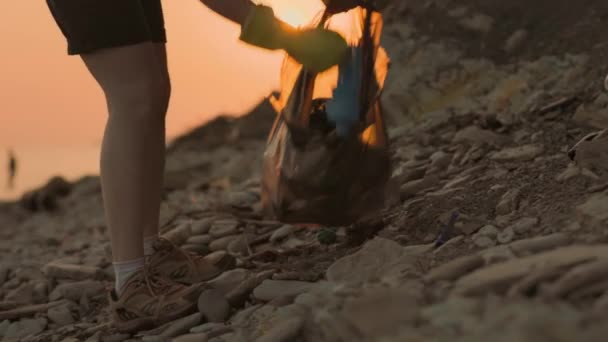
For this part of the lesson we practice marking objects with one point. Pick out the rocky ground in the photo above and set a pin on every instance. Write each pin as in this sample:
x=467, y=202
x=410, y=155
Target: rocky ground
x=494, y=233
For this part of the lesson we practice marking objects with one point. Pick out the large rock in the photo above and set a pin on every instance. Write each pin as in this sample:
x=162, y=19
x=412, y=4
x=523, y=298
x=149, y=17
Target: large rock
x=519, y=153
x=378, y=258
x=274, y=289
x=25, y=327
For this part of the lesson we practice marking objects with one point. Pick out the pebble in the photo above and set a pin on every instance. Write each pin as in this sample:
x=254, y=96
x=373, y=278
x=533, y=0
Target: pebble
x=75, y=290
x=72, y=272
x=223, y=228
x=213, y=306
x=221, y=243
x=239, y=246
x=506, y=235
x=182, y=326
x=196, y=248
x=283, y=331
x=25, y=327
x=273, y=289
x=115, y=338
x=201, y=227
x=60, y=315
x=199, y=239
x=282, y=233
x=519, y=153
x=509, y=202
x=200, y=337
x=230, y=280
x=483, y=241
x=524, y=225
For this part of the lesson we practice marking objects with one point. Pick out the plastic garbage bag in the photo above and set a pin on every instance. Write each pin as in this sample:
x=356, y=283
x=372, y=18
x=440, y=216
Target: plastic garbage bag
x=327, y=156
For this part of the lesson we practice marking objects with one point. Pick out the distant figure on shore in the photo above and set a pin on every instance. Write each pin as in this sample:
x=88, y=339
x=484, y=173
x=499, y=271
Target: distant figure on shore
x=12, y=168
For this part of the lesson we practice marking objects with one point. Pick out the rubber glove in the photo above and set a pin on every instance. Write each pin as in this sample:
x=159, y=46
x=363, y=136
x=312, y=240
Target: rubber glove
x=317, y=49
x=337, y=6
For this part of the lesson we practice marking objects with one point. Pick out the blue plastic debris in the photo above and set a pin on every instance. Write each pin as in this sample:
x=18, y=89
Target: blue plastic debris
x=344, y=108
x=446, y=232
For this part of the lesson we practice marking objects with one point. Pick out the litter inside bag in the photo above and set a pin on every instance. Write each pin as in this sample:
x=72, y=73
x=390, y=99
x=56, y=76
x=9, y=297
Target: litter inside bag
x=327, y=159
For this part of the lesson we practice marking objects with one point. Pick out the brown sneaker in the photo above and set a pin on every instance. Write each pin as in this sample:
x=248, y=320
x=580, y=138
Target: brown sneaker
x=187, y=268
x=149, y=300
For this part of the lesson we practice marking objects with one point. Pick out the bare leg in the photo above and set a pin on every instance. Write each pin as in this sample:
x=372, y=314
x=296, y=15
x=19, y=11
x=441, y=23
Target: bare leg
x=137, y=89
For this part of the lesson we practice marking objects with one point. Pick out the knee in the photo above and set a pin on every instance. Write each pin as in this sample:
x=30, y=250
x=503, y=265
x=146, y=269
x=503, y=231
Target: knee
x=144, y=99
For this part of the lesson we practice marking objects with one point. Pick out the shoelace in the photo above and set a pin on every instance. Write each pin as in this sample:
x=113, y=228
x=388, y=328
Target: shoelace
x=169, y=246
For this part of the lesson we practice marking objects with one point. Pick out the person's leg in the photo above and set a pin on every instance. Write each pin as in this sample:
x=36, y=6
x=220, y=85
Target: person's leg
x=137, y=90
x=156, y=161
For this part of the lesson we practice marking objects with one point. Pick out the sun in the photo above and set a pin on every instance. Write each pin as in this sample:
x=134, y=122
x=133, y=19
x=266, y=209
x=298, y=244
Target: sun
x=296, y=12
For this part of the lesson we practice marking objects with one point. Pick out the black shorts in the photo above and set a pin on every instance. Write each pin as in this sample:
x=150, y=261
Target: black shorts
x=90, y=25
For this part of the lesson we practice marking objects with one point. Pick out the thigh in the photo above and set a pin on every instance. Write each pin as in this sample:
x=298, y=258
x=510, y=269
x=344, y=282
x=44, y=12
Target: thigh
x=91, y=25
x=129, y=71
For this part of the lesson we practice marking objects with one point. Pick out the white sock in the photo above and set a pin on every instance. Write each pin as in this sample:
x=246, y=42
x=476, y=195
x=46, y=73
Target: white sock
x=125, y=269
x=149, y=244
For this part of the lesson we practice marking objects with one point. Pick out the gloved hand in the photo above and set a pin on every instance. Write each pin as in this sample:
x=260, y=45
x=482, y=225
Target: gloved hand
x=317, y=49
x=337, y=6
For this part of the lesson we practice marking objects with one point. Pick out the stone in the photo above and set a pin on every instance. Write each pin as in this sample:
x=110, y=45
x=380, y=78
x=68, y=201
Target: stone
x=524, y=224
x=515, y=40
x=570, y=172
x=24, y=294
x=115, y=337
x=274, y=289
x=182, y=326
x=60, y=315
x=440, y=160
x=213, y=306
x=201, y=227
x=75, y=290
x=479, y=136
x=593, y=114
x=456, y=182
x=180, y=233
x=380, y=311
x=196, y=248
x=200, y=337
x=72, y=272
x=285, y=330
x=592, y=157
x=377, y=258
x=239, y=295
x=506, y=235
x=199, y=240
x=484, y=241
x=594, y=211
x=4, y=326
x=488, y=230
x=412, y=188
x=221, y=228
x=239, y=246
x=221, y=243
x=211, y=329
x=282, y=233
x=519, y=153
x=500, y=276
x=230, y=280
x=25, y=327
x=509, y=202
x=478, y=22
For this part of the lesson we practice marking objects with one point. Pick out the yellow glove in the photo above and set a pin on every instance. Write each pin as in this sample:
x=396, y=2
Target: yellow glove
x=317, y=49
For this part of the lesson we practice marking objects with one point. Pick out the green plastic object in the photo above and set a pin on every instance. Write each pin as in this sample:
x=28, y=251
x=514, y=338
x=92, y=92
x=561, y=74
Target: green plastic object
x=317, y=49
x=327, y=236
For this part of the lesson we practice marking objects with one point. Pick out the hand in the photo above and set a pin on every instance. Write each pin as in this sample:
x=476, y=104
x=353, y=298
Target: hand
x=337, y=6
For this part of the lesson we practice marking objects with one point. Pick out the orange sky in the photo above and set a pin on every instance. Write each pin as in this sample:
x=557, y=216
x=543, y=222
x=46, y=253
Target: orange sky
x=47, y=98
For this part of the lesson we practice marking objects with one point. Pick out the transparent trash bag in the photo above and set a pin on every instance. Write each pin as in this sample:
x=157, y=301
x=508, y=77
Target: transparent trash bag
x=310, y=173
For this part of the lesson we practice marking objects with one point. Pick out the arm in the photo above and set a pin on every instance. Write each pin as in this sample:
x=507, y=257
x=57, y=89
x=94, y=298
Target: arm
x=233, y=10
